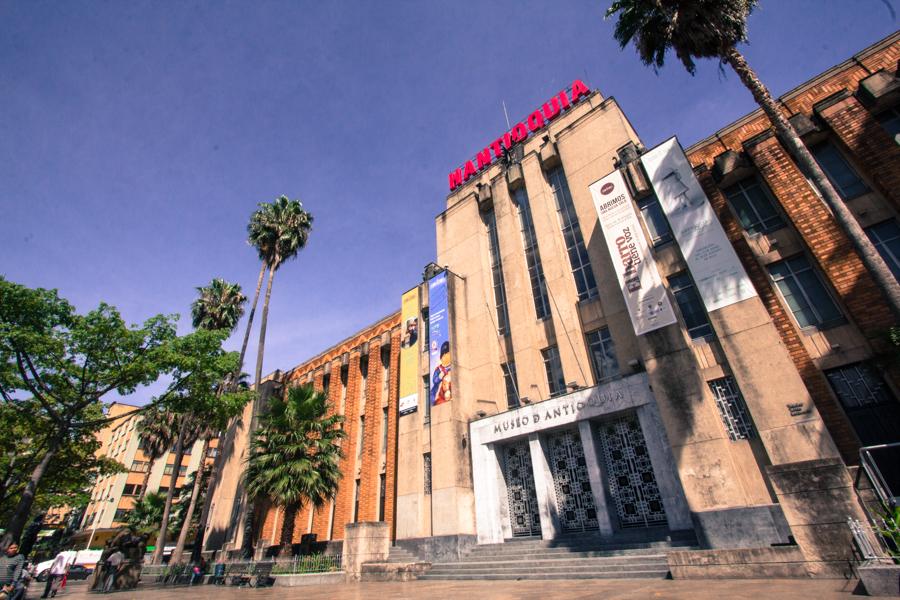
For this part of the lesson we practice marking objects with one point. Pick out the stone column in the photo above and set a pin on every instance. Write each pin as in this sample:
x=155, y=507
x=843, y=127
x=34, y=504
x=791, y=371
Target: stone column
x=677, y=513
x=368, y=541
x=491, y=506
x=595, y=474
x=543, y=487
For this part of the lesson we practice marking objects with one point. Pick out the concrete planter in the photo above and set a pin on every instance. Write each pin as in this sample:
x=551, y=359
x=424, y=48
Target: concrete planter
x=880, y=579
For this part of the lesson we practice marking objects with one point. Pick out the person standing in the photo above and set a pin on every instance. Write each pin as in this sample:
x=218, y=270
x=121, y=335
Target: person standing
x=11, y=572
x=57, y=573
x=113, y=565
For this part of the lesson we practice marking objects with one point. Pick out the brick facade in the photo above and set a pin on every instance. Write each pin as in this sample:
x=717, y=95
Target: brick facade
x=345, y=357
x=831, y=102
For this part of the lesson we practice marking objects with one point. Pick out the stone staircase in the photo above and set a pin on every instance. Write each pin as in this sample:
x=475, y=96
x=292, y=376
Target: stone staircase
x=401, y=555
x=576, y=558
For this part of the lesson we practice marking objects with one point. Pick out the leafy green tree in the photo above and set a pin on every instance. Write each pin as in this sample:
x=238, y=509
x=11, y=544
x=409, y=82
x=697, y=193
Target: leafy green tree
x=199, y=365
x=56, y=367
x=295, y=454
x=713, y=29
x=146, y=515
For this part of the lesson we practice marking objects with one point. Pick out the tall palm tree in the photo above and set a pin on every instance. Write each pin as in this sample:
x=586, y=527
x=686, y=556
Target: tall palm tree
x=712, y=29
x=220, y=305
x=295, y=454
x=157, y=436
x=278, y=231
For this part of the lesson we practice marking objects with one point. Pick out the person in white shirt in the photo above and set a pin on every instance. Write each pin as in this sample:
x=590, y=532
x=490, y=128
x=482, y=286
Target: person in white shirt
x=57, y=572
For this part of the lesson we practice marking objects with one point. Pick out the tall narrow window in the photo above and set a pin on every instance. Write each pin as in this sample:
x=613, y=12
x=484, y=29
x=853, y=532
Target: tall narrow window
x=425, y=329
x=691, y=305
x=511, y=383
x=356, y=502
x=384, y=430
x=426, y=382
x=363, y=378
x=842, y=176
x=426, y=459
x=732, y=408
x=603, y=355
x=344, y=375
x=331, y=521
x=890, y=120
x=382, y=496
x=871, y=407
x=885, y=237
x=490, y=220
x=385, y=371
x=326, y=383
x=571, y=230
x=359, y=439
x=532, y=255
x=655, y=220
x=804, y=292
x=753, y=206
x=553, y=366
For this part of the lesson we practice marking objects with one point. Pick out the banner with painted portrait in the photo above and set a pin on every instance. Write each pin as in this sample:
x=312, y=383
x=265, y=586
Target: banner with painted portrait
x=409, y=352
x=439, y=343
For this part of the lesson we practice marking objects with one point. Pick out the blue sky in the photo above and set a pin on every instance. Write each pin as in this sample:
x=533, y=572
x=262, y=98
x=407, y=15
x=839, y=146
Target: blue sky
x=137, y=137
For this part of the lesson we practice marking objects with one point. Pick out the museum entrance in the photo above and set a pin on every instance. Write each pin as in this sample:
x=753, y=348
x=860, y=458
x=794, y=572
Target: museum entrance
x=574, y=498
x=629, y=473
x=524, y=515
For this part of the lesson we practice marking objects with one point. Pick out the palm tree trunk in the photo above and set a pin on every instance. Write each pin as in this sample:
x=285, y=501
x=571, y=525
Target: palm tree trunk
x=146, y=480
x=259, y=280
x=17, y=522
x=880, y=272
x=170, y=494
x=195, y=494
x=262, y=326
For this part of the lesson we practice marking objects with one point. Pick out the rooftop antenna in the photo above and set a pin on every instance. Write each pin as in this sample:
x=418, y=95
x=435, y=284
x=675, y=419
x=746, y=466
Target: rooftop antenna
x=505, y=114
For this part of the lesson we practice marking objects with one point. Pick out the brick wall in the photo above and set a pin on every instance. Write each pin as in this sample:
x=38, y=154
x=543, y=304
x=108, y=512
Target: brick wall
x=271, y=529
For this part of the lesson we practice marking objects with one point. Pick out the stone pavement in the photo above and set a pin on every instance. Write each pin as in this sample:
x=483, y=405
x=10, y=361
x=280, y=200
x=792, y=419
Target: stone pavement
x=614, y=589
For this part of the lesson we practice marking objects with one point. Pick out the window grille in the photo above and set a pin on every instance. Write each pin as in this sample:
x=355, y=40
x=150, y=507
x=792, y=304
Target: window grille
x=427, y=461
x=732, y=408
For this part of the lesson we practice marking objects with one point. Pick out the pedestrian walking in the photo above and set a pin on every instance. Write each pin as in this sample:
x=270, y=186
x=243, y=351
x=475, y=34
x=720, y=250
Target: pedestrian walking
x=113, y=566
x=58, y=571
x=11, y=566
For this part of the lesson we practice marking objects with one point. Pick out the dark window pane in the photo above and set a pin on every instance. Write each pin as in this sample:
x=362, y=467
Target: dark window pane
x=839, y=171
x=603, y=356
x=886, y=239
x=532, y=256
x=578, y=257
x=753, y=206
x=655, y=220
x=553, y=366
x=804, y=292
x=890, y=120
x=692, y=309
x=868, y=402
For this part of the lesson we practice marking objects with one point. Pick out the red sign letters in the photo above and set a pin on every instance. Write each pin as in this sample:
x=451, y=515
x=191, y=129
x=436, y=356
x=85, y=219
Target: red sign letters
x=519, y=133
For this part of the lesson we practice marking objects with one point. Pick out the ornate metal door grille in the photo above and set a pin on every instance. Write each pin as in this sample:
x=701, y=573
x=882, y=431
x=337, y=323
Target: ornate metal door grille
x=573, y=487
x=632, y=482
x=524, y=515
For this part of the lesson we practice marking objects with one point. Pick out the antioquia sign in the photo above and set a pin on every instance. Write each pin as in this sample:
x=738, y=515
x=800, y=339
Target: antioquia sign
x=519, y=133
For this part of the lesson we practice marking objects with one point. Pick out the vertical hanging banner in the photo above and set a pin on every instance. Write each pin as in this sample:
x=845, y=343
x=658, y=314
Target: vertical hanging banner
x=439, y=353
x=719, y=275
x=645, y=296
x=409, y=352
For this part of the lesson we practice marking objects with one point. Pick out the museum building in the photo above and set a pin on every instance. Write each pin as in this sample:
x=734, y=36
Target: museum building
x=622, y=343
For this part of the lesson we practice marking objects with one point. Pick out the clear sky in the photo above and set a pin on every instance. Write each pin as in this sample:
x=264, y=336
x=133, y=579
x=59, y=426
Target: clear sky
x=137, y=137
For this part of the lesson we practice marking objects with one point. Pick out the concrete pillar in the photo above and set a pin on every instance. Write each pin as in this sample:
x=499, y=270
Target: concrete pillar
x=543, y=486
x=491, y=505
x=595, y=473
x=677, y=513
x=368, y=541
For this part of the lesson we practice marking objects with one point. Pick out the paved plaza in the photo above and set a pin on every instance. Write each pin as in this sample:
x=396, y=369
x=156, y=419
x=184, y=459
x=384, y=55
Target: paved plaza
x=501, y=590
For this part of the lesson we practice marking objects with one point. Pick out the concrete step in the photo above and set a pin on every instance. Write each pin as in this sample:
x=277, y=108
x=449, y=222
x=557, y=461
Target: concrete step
x=538, y=576
x=563, y=555
x=594, y=563
x=533, y=568
x=576, y=546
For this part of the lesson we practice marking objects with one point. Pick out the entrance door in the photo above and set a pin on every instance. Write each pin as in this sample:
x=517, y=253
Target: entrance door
x=632, y=483
x=524, y=515
x=570, y=479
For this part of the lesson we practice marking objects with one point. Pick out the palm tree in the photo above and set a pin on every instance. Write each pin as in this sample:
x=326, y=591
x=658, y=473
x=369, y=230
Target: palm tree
x=220, y=305
x=157, y=437
x=295, y=454
x=712, y=29
x=147, y=513
x=206, y=432
x=278, y=231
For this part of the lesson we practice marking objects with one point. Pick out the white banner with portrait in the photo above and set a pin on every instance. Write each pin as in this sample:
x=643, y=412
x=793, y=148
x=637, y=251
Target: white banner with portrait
x=646, y=299
x=716, y=269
